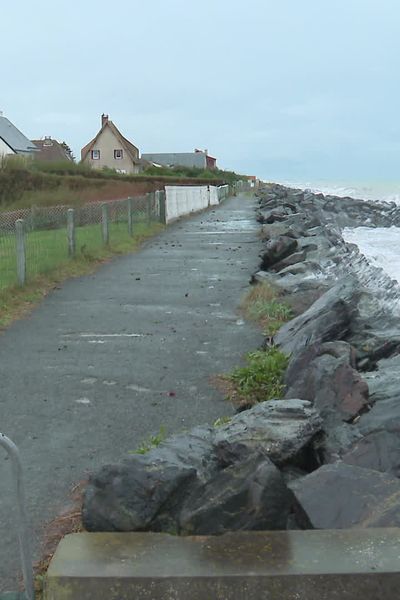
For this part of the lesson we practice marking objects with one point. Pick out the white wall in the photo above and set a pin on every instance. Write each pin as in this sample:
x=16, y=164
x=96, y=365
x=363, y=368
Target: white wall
x=4, y=149
x=183, y=200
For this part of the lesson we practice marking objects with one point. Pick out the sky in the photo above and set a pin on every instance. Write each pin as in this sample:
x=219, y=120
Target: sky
x=288, y=90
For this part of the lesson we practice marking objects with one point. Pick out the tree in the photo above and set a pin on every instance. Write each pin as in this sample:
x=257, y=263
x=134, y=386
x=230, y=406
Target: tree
x=68, y=150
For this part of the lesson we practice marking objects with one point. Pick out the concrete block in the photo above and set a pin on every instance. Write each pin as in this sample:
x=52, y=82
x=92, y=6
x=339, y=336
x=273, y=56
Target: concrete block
x=352, y=564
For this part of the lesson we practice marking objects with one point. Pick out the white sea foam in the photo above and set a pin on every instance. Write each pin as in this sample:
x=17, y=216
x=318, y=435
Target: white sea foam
x=381, y=246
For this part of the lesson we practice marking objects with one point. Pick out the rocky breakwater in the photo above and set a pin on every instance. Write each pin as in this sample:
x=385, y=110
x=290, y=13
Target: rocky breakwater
x=327, y=455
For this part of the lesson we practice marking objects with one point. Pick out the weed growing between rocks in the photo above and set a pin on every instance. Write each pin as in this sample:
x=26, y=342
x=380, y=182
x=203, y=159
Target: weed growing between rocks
x=152, y=442
x=262, y=305
x=260, y=380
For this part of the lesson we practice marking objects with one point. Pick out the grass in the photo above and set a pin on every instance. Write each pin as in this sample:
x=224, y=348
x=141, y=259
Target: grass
x=259, y=380
x=262, y=305
x=48, y=264
x=152, y=442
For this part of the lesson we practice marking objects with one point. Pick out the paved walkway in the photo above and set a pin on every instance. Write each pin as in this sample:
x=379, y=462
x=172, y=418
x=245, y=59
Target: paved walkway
x=109, y=358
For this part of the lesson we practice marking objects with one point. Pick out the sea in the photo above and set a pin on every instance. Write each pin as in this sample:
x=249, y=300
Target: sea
x=380, y=245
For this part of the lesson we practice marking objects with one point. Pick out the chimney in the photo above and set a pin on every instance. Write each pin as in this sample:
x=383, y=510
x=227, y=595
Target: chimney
x=104, y=119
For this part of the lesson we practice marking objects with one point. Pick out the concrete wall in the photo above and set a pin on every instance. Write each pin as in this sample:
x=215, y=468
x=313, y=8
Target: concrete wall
x=182, y=159
x=4, y=149
x=181, y=200
x=107, y=143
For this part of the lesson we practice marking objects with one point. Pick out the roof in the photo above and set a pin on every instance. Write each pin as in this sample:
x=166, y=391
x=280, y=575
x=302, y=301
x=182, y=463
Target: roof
x=132, y=151
x=50, y=150
x=14, y=138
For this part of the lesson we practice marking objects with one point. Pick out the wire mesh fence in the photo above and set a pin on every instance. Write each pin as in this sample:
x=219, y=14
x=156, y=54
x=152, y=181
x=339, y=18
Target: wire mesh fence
x=46, y=238
x=38, y=240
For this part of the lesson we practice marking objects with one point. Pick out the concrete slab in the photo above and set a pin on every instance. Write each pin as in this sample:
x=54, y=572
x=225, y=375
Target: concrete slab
x=285, y=565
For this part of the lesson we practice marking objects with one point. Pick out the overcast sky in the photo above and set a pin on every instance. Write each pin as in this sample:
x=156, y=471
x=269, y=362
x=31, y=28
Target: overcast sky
x=284, y=89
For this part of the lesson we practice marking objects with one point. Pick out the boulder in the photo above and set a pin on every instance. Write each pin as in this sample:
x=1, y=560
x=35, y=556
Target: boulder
x=249, y=495
x=293, y=259
x=379, y=450
x=325, y=375
x=328, y=319
x=145, y=490
x=282, y=430
x=340, y=496
x=276, y=250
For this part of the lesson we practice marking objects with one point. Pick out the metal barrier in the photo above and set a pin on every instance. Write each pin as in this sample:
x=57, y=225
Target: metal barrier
x=22, y=522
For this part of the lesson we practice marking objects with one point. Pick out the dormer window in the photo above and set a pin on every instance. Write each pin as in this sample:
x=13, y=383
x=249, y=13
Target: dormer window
x=95, y=154
x=118, y=154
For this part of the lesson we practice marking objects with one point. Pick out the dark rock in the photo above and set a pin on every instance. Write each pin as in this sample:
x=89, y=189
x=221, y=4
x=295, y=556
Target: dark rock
x=145, y=490
x=282, y=430
x=293, y=259
x=379, y=451
x=128, y=496
x=328, y=319
x=324, y=374
x=277, y=249
x=250, y=495
x=341, y=496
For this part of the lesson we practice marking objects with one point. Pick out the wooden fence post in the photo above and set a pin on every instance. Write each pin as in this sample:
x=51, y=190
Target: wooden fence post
x=21, y=251
x=130, y=216
x=105, y=224
x=71, y=232
x=163, y=211
x=149, y=198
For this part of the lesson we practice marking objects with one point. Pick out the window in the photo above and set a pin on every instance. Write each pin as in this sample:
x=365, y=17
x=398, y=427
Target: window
x=118, y=154
x=95, y=154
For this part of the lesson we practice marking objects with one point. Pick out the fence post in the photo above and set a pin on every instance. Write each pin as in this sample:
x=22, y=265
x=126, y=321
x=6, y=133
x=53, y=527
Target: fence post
x=163, y=207
x=149, y=197
x=130, y=216
x=21, y=252
x=71, y=232
x=105, y=224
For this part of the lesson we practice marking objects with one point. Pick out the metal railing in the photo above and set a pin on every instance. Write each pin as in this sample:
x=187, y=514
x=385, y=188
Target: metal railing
x=22, y=521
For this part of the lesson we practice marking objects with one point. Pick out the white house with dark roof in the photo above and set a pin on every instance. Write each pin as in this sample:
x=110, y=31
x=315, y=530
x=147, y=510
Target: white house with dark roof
x=12, y=141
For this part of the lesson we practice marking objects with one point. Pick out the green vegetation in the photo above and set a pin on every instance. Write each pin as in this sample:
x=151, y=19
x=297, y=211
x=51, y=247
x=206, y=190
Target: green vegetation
x=262, y=305
x=222, y=421
x=48, y=264
x=26, y=182
x=194, y=172
x=261, y=379
x=152, y=442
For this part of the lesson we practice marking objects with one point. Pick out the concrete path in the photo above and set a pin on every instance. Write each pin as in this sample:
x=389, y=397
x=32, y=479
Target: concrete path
x=108, y=359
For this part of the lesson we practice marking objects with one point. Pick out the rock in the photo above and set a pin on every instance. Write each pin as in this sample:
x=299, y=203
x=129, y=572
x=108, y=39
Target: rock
x=379, y=450
x=328, y=319
x=249, y=495
x=324, y=374
x=145, y=490
x=293, y=259
x=277, y=249
x=282, y=430
x=341, y=496
x=128, y=496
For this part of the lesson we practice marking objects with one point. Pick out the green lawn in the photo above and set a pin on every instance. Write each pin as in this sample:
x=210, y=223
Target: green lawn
x=47, y=250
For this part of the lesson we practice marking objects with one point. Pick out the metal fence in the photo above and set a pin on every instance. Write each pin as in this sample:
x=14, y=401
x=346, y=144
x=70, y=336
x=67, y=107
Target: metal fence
x=38, y=240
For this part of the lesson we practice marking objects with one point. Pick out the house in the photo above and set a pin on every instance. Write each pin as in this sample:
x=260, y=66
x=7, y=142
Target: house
x=111, y=149
x=51, y=151
x=12, y=141
x=199, y=159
